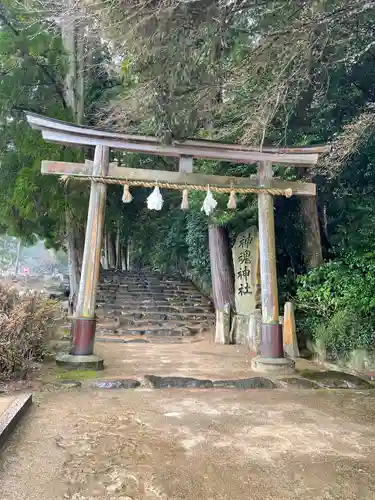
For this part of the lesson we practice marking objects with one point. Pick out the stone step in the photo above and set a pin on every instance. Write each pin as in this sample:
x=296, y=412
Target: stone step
x=130, y=339
x=153, y=330
x=125, y=281
x=157, y=296
x=165, y=310
x=120, y=280
x=145, y=323
x=150, y=290
x=142, y=299
x=162, y=303
x=129, y=306
x=157, y=315
x=151, y=304
x=125, y=320
x=159, y=284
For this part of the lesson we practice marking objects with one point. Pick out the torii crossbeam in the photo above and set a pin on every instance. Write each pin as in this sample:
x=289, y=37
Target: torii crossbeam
x=100, y=172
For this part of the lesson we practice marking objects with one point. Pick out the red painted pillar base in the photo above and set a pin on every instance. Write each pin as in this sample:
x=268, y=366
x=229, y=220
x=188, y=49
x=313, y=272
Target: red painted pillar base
x=83, y=332
x=271, y=345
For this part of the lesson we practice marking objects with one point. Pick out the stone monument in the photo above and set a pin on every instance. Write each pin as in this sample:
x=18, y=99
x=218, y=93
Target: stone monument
x=247, y=288
x=289, y=332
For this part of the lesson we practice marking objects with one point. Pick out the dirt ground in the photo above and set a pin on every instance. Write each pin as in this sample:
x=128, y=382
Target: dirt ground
x=202, y=359
x=189, y=444
x=193, y=445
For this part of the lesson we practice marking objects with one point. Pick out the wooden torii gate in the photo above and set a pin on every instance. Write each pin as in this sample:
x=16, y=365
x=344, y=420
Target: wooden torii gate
x=101, y=172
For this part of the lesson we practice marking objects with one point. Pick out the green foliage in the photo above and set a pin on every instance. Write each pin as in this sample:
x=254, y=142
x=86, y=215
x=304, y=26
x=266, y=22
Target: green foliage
x=33, y=66
x=336, y=304
x=197, y=243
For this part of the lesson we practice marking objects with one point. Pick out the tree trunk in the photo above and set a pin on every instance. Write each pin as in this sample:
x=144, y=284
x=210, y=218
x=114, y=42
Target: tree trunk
x=71, y=93
x=105, y=251
x=123, y=258
x=128, y=254
x=313, y=254
x=111, y=249
x=73, y=262
x=18, y=256
x=80, y=73
x=312, y=242
x=222, y=280
x=68, y=35
x=221, y=267
x=118, y=247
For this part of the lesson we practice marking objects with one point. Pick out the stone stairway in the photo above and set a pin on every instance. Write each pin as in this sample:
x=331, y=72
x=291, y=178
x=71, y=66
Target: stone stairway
x=143, y=304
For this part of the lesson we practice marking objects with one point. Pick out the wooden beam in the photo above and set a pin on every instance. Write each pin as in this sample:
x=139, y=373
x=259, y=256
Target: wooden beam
x=195, y=151
x=186, y=165
x=40, y=122
x=138, y=174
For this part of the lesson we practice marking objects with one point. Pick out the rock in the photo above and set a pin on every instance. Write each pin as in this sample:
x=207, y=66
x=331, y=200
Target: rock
x=289, y=332
x=247, y=329
x=115, y=384
x=306, y=353
x=109, y=339
x=163, y=333
x=137, y=341
x=62, y=384
x=298, y=383
x=132, y=332
x=115, y=487
x=166, y=340
x=337, y=380
x=246, y=383
x=179, y=382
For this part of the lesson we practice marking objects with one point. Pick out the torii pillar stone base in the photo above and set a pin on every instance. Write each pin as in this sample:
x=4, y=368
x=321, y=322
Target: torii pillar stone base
x=74, y=362
x=277, y=366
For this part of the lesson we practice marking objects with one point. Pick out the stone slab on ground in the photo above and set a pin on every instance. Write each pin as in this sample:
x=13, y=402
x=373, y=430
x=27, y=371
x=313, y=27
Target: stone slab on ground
x=247, y=383
x=58, y=385
x=193, y=444
x=12, y=409
x=297, y=383
x=337, y=380
x=115, y=384
x=178, y=382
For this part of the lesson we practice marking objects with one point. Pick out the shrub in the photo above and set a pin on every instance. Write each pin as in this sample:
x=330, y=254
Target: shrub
x=336, y=305
x=25, y=324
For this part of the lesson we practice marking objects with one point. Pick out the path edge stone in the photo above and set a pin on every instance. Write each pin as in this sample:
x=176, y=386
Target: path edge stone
x=12, y=416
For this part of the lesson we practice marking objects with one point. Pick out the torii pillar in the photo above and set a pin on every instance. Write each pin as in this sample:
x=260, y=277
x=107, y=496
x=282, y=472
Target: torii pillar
x=271, y=357
x=84, y=320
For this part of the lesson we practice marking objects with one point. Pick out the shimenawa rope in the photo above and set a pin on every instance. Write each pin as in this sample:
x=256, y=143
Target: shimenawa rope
x=180, y=187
